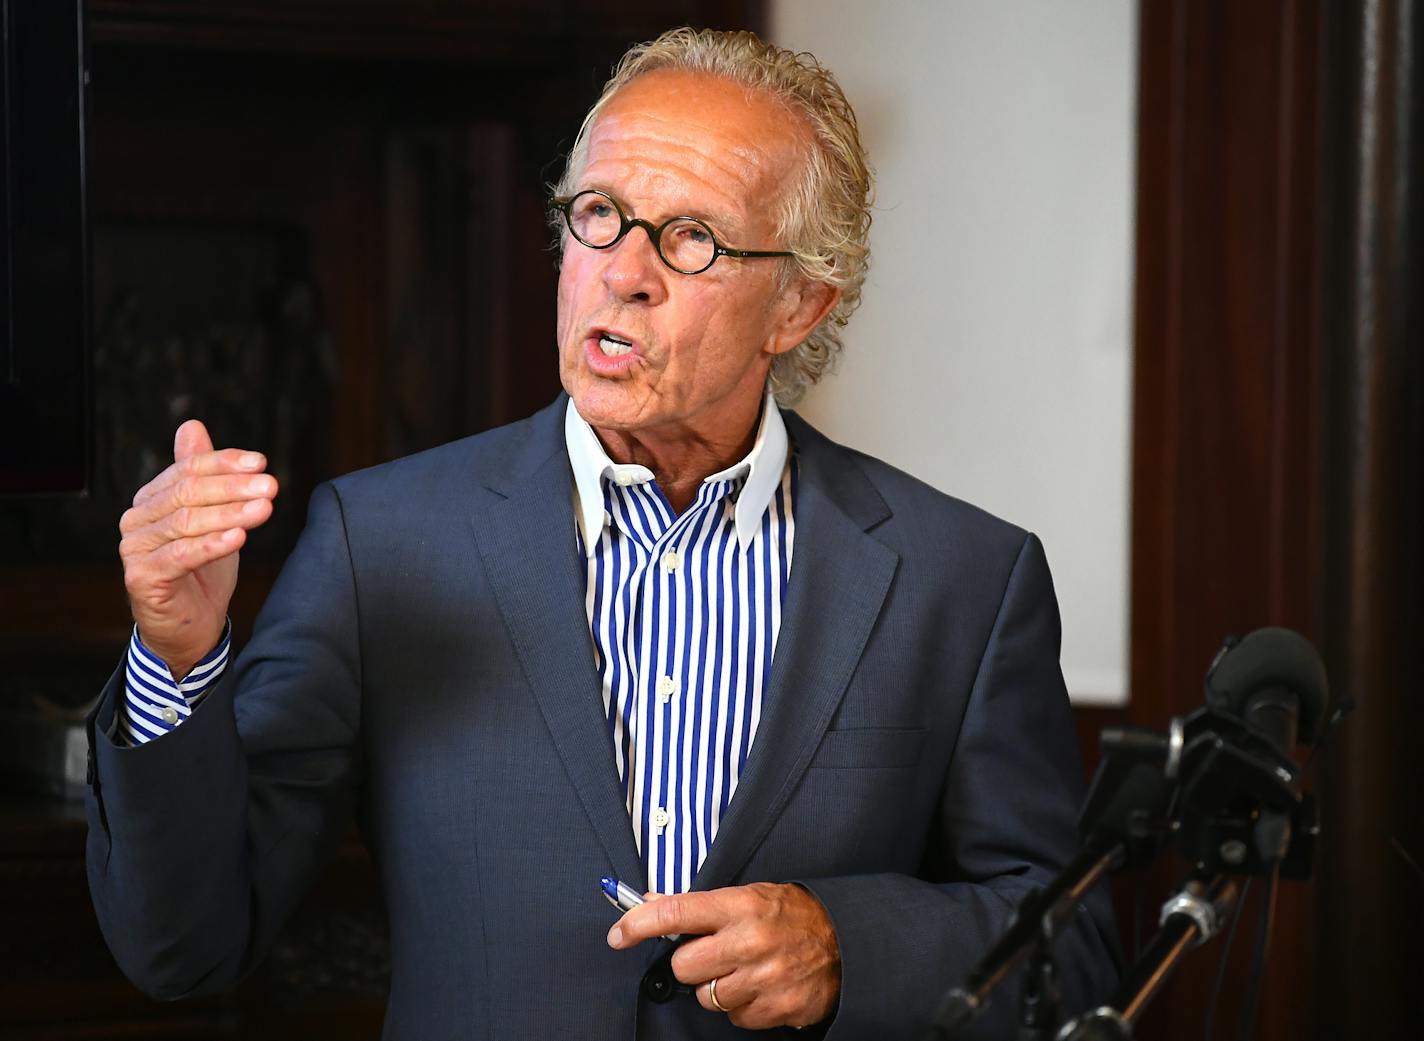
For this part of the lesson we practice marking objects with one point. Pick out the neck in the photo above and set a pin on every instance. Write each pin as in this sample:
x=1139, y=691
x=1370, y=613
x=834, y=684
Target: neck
x=682, y=459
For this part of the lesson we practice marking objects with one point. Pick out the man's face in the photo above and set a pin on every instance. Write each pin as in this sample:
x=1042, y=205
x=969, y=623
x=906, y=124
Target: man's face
x=670, y=145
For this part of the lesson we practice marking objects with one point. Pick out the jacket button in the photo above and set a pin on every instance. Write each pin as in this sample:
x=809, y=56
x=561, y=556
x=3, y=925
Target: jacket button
x=658, y=982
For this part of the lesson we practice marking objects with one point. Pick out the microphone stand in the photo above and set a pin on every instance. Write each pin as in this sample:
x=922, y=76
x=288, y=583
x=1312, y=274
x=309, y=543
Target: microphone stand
x=1122, y=821
x=1189, y=919
x=1031, y=933
x=1039, y=1002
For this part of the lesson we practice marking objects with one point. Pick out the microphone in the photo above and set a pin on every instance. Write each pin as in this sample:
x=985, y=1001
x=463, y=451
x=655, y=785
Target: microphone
x=1241, y=810
x=1217, y=781
x=1274, y=680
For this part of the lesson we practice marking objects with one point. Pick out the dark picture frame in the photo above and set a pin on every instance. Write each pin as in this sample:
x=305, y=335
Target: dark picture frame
x=45, y=378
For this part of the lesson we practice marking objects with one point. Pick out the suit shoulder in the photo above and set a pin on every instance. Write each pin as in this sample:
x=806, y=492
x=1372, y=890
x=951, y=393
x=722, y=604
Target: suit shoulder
x=903, y=492
x=904, y=509
x=948, y=544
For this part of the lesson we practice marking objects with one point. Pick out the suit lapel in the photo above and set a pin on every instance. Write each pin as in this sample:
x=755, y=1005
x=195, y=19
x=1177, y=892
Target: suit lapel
x=840, y=576
x=527, y=543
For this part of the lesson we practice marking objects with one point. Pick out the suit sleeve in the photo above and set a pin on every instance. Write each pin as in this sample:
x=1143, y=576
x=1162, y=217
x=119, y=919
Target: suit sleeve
x=1005, y=825
x=200, y=844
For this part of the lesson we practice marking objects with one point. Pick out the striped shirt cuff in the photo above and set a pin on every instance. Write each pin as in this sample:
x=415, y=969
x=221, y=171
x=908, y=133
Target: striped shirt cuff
x=154, y=702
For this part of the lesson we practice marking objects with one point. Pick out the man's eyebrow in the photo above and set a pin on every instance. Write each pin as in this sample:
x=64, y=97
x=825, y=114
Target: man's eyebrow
x=727, y=228
x=717, y=220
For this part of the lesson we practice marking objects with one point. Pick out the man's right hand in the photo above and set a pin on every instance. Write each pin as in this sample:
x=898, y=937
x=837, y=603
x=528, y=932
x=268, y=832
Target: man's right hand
x=180, y=543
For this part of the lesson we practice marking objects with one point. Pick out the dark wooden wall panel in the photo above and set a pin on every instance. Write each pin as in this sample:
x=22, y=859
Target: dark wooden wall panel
x=1370, y=941
x=1226, y=519
x=1278, y=456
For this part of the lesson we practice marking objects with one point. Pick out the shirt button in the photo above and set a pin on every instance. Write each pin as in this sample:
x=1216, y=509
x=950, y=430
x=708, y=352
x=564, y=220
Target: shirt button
x=671, y=559
x=170, y=716
x=607, y=519
x=660, y=818
x=623, y=480
x=667, y=687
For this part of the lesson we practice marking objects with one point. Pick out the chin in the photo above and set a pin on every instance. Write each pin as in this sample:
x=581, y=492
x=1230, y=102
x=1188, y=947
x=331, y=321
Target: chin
x=603, y=403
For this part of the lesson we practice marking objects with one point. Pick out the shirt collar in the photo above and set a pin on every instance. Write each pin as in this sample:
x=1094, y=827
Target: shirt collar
x=762, y=467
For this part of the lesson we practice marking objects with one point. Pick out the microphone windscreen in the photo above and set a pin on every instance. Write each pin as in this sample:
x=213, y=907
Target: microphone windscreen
x=1271, y=658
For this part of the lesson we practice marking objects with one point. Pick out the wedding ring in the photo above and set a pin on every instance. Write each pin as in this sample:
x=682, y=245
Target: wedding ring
x=712, y=997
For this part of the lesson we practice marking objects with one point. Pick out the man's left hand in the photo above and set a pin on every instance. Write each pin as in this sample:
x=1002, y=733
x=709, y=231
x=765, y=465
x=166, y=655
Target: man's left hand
x=770, y=948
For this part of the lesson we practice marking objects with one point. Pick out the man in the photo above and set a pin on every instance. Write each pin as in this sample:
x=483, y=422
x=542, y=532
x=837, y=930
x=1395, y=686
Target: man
x=832, y=728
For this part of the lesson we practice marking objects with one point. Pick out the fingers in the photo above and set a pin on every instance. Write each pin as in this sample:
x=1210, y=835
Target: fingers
x=709, y=957
x=196, y=511
x=182, y=556
x=208, y=464
x=727, y=995
x=688, y=913
x=150, y=576
x=771, y=948
x=749, y=1004
x=183, y=501
x=706, y=958
x=192, y=522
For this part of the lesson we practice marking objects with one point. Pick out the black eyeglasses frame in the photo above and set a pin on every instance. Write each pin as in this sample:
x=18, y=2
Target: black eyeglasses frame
x=627, y=223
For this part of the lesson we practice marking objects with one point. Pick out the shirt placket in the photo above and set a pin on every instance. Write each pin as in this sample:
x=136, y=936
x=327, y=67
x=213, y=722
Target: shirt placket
x=663, y=601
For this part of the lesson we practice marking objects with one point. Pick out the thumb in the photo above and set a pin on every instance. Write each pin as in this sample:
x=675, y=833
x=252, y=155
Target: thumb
x=191, y=439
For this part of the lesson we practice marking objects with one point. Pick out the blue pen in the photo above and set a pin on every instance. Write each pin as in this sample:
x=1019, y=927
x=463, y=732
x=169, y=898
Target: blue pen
x=625, y=897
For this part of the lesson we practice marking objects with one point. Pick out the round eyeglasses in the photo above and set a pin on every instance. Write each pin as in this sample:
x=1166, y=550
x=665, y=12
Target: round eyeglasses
x=685, y=244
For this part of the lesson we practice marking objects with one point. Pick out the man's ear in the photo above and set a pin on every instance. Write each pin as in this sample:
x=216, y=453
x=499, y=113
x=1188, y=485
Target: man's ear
x=802, y=306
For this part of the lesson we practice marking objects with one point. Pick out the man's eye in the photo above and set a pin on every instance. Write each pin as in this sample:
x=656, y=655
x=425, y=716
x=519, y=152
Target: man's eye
x=593, y=207
x=693, y=233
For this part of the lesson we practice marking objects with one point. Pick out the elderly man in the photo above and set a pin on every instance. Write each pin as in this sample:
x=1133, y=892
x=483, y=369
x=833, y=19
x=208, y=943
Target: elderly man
x=661, y=631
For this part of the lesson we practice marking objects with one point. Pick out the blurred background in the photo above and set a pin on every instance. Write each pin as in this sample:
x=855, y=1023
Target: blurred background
x=1146, y=279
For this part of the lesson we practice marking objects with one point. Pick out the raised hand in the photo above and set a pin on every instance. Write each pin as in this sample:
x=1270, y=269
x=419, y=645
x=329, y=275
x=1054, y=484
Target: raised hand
x=181, y=539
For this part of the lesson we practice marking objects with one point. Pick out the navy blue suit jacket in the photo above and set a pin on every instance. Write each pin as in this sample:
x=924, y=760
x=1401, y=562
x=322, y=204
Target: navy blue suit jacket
x=424, y=662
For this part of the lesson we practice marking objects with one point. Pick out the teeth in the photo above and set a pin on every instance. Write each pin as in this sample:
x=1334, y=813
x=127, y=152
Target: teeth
x=612, y=347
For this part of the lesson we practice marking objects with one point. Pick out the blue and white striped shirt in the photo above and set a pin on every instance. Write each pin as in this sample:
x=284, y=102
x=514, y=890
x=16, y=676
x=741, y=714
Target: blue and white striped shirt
x=155, y=702
x=684, y=611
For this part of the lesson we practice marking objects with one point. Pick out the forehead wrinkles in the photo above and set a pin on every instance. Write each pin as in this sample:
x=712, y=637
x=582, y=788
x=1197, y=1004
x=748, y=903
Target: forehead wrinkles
x=740, y=154
x=655, y=156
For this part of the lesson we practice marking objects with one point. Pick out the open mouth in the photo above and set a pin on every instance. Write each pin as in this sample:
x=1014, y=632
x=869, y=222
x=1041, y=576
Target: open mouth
x=612, y=346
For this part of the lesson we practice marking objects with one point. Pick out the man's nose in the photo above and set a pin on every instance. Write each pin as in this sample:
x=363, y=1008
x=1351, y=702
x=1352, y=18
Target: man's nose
x=633, y=271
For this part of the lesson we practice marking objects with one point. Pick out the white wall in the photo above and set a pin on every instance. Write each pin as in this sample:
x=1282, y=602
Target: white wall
x=992, y=354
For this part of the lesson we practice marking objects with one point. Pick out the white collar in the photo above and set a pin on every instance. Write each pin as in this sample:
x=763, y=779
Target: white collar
x=762, y=467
